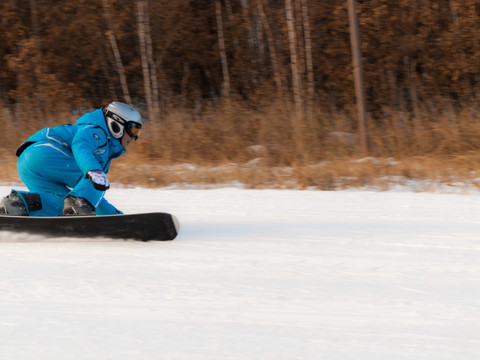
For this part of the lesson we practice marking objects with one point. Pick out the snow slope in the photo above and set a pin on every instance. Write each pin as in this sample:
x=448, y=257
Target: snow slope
x=265, y=274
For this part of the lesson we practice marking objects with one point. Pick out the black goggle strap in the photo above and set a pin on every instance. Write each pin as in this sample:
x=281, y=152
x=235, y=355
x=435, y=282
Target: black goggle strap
x=114, y=116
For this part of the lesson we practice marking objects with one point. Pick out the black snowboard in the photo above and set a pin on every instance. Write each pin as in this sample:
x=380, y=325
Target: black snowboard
x=149, y=226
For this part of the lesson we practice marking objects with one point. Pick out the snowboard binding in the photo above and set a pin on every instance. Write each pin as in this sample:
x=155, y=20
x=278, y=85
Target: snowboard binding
x=13, y=204
x=77, y=206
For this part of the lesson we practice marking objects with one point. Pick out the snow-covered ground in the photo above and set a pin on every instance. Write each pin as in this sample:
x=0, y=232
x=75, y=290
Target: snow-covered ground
x=254, y=274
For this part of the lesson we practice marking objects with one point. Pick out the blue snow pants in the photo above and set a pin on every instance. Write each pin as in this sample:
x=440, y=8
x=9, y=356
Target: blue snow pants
x=49, y=169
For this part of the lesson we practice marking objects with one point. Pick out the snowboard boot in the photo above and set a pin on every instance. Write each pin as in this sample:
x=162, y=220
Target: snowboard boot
x=13, y=205
x=77, y=206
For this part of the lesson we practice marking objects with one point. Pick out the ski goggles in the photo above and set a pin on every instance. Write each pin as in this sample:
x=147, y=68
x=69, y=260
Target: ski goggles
x=133, y=129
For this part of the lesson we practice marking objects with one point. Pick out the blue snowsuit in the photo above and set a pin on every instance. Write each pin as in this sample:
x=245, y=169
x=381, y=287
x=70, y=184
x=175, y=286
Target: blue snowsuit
x=54, y=162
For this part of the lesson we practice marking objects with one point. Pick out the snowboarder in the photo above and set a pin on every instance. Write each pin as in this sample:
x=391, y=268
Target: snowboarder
x=65, y=167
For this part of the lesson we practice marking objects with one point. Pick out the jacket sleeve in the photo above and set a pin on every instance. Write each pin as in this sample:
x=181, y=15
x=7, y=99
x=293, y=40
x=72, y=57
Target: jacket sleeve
x=89, y=147
x=105, y=208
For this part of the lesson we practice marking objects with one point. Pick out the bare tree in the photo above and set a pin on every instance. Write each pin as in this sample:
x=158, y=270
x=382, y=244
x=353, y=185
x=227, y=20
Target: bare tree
x=297, y=119
x=116, y=53
x=221, y=45
x=37, y=51
x=297, y=20
x=142, y=36
x=308, y=60
x=246, y=18
x=277, y=73
x=458, y=32
x=358, y=71
x=292, y=42
x=151, y=64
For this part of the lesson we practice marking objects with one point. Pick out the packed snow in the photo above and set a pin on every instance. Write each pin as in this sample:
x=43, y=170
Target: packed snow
x=254, y=274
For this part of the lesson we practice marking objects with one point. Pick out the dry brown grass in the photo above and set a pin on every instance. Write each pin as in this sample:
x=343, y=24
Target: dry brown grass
x=375, y=173
x=256, y=147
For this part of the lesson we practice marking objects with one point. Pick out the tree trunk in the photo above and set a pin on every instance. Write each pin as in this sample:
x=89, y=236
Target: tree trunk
x=292, y=42
x=308, y=61
x=221, y=46
x=297, y=20
x=460, y=51
x=297, y=118
x=358, y=73
x=277, y=73
x=255, y=43
x=151, y=63
x=144, y=58
x=116, y=53
x=36, y=85
x=245, y=10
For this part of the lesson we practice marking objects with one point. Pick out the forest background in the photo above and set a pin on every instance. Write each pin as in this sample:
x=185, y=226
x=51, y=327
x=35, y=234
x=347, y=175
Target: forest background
x=255, y=91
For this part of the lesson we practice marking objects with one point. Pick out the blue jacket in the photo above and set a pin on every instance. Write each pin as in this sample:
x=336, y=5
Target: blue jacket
x=88, y=139
x=89, y=143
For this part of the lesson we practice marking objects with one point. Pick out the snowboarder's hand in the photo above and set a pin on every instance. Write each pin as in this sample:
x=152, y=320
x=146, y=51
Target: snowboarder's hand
x=99, y=180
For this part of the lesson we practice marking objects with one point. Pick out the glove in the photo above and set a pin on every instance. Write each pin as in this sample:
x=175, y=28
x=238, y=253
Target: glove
x=99, y=180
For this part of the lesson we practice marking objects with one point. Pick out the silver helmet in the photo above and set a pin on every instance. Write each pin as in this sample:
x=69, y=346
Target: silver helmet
x=121, y=117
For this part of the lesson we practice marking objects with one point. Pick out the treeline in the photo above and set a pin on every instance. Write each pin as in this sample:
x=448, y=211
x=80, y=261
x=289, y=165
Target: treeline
x=183, y=61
